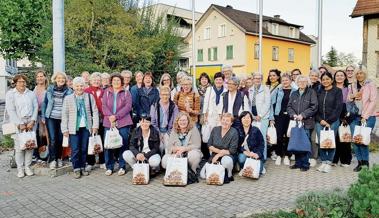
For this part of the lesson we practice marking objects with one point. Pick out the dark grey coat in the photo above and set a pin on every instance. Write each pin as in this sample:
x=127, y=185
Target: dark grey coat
x=306, y=105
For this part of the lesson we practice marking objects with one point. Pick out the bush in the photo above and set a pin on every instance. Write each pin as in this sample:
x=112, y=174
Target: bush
x=365, y=193
x=6, y=142
x=334, y=204
x=278, y=214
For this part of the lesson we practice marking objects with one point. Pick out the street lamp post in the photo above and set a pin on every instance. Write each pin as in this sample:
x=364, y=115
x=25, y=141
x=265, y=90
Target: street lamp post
x=193, y=44
x=58, y=36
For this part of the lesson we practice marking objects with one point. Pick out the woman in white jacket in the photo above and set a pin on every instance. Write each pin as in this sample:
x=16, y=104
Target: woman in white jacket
x=213, y=101
x=260, y=101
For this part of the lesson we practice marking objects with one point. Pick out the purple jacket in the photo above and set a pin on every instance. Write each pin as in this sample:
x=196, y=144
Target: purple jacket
x=123, y=108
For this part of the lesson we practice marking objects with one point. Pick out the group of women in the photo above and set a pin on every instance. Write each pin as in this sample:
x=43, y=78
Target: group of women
x=225, y=122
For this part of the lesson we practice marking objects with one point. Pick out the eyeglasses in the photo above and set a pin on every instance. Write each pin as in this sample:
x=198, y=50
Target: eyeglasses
x=21, y=81
x=166, y=80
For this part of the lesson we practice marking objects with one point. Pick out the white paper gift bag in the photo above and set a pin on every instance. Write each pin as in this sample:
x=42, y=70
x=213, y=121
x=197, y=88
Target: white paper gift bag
x=27, y=140
x=362, y=135
x=95, y=145
x=251, y=168
x=214, y=174
x=327, y=139
x=113, y=139
x=344, y=133
x=271, y=135
x=176, y=171
x=141, y=174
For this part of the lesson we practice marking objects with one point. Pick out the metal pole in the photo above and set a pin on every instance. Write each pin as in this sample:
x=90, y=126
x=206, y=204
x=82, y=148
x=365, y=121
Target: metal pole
x=58, y=36
x=319, y=40
x=193, y=45
x=260, y=35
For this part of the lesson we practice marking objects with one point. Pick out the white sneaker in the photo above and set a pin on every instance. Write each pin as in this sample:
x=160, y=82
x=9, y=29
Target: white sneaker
x=293, y=157
x=60, y=163
x=327, y=168
x=121, y=172
x=286, y=161
x=89, y=168
x=278, y=161
x=312, y=162
x=321, y=168
x=53, y=165
x=108, y=172
x=20, y=173
x=273, y=156
x=102, y=166
x=264, y=171
x=28, y=171
x=345, y=165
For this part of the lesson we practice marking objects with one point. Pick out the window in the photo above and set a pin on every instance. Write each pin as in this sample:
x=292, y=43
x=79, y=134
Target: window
x=292, y=32
x=275, y=53
x=275, y=29
x=256, y=51
x=207, y=33
x=199, y=54
x=222, y=30
x=212, y=54
x=229, y=52
x=291, y=55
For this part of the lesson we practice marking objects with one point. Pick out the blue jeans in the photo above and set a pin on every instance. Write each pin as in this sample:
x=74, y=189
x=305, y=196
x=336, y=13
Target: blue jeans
x=361, y=151
x=242, y=158
x=79, y=144
x=327, y=155
x=109, y=154
x=55, y=139
x=301, y=157
x=264, y=127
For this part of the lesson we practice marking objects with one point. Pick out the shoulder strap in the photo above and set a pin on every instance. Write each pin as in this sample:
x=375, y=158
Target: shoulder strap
x=90, y=104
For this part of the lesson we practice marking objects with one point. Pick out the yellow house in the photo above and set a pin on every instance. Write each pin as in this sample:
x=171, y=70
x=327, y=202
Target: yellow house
x=226, y=36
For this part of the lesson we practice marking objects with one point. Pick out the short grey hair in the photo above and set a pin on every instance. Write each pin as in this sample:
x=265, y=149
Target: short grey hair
x=227, y=67
x=105, y=75
x=78, y=80
x=186, y=78
x=126, y=72
x=315, y=71
x=181, y=74
x=235, y=79
x=54, y=77
x=94, y=75
x=257, y=74
x=302, y=77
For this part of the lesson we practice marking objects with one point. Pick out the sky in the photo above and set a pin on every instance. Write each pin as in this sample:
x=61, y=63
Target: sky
x=339, y=29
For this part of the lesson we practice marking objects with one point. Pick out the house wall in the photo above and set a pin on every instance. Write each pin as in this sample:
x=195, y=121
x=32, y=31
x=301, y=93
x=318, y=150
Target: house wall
x=373, y=49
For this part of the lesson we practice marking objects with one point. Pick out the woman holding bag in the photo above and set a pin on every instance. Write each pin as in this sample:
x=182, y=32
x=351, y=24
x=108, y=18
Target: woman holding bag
x=184, y=140
x=329, y=110
x=302, y=107
x=117, y=104
x=22, y=108
x=251, y=143
x=364, y=93
x=78, y=123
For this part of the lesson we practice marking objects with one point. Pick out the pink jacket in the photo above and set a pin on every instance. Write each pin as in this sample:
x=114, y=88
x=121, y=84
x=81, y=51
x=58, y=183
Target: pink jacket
x=369, y=93
x=123, y=108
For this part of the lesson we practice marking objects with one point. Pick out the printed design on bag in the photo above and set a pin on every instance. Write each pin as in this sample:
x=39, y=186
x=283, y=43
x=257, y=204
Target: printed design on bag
x=139, y=179
x=97, y=149
x=346, y=137
x=174, y=178
x=214, y=179
x=30, y=144
x=327, y=143
x=358, y=139
x=248, y=172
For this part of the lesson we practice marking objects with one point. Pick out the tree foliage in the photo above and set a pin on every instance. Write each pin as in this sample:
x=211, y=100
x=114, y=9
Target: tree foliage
x=340, y=59
x=100, y=35
x=332, y=57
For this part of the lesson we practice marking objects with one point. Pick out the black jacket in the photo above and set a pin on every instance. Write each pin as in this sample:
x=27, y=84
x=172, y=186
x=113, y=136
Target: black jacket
x=254, y=141
x=329, y=105
x=136, y=145
x=306, y=105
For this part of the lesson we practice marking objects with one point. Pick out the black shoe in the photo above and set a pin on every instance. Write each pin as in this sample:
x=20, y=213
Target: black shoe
x=231, y=178
x=358, y=167
x=304, y=169
x=294, y=167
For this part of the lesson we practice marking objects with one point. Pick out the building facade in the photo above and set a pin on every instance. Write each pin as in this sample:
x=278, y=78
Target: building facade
x=228, y=36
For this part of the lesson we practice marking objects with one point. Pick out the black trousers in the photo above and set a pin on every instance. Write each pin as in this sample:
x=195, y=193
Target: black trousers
x=281, y=124
x=343, y=152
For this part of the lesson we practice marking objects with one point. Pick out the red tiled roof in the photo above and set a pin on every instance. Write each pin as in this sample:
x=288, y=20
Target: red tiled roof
x=365, y=7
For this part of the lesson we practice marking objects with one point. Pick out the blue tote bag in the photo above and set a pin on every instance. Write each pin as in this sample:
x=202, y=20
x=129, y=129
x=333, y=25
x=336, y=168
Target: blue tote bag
x=299, y=140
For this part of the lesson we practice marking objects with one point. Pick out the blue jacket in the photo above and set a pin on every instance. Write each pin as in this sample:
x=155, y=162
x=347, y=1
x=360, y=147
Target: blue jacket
x=48, y=103
x=144, y=101
x=255, y=141
x=276, y=100
x=134, y=93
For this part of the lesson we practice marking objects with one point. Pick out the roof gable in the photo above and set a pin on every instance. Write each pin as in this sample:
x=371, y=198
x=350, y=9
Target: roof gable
x=365, y=7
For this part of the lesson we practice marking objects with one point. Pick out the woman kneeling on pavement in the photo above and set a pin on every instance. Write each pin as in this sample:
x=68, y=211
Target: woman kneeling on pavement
x=251, y=143
x=80, y=117
x=184, y=140
x=223, y=144
x=144, y=145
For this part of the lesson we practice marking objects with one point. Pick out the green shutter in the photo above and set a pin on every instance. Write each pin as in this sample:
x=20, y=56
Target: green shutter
x=215, y=54
x=229, y=52
x=200, y=55
x=209, y=54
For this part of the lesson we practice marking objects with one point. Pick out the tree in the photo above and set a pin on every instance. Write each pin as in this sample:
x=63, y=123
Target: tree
x=331, y=57
x=25, y=25
x=346, y=59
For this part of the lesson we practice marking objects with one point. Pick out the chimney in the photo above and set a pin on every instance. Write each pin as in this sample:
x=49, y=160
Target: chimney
x=277, y=16
x=229, y=6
